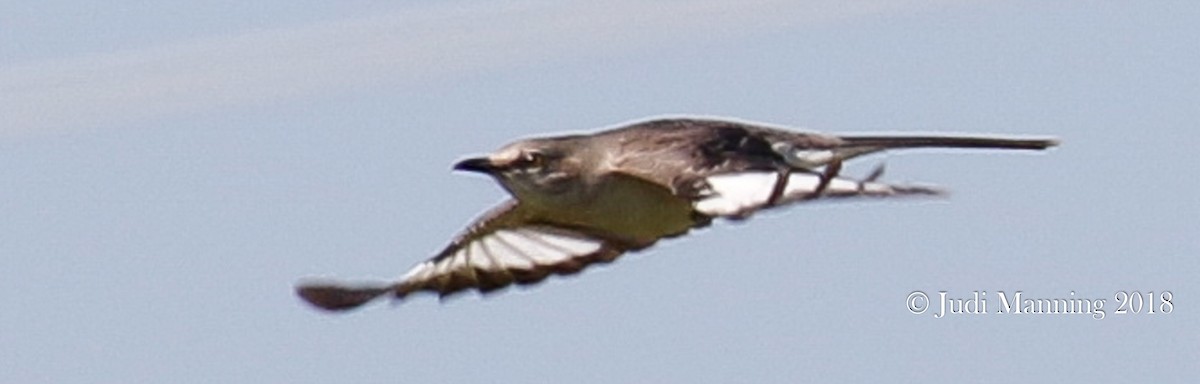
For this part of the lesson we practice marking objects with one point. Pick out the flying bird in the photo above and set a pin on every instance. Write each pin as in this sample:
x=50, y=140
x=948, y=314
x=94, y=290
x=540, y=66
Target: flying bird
x=584, y=199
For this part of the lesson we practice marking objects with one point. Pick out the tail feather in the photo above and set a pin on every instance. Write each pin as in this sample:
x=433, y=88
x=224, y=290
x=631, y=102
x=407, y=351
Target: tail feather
x=889, y=142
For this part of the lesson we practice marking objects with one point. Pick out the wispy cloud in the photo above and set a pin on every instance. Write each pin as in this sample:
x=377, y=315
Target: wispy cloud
x=414, y=44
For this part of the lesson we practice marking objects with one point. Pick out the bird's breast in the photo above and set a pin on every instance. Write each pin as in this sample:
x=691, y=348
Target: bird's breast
x=635, y=210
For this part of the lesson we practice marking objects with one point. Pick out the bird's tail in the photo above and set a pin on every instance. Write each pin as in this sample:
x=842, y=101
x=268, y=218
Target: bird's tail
x=892, y=142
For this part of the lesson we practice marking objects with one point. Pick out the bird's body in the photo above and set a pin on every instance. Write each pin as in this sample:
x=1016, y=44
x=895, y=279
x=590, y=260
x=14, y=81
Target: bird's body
x=631, y=210
x=583, y=199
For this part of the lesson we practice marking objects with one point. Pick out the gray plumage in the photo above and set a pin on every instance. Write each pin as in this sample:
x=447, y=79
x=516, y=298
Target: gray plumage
x=585, y=199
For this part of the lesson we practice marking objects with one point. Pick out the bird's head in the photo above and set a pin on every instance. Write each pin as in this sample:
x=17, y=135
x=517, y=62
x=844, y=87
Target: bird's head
x=532, y=170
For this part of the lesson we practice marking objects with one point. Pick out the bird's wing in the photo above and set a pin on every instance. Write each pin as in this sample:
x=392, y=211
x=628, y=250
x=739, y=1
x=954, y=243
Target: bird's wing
x=505, y=246
x=732, y=169
x=739, y=194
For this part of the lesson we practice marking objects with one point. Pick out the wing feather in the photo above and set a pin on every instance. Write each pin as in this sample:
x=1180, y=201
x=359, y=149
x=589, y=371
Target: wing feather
x=507, y=248
x=742, y=193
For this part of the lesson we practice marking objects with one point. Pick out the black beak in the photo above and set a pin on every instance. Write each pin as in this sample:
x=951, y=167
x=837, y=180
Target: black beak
x=478, y=164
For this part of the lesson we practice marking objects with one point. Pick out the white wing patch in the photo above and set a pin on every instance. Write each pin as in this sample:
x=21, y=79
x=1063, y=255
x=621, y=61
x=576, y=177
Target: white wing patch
x=737, y=194
x=522, y=255
x=803, y=158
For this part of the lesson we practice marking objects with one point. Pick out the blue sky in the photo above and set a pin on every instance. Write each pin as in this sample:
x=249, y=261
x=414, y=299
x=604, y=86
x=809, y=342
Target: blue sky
x=170, y=171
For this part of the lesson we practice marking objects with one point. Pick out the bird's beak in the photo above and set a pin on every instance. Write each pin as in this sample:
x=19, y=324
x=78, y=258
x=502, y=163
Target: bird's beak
x=478, y=164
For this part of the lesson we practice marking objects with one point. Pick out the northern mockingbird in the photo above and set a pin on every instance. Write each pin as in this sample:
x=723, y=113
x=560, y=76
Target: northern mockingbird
x=584, y=199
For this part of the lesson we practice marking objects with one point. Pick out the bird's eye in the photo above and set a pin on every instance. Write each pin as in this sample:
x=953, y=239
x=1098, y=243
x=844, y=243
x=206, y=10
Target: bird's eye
x=533, y=159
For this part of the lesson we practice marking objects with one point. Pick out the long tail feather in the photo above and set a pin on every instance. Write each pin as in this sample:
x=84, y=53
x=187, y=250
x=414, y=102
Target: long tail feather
x=883, y=142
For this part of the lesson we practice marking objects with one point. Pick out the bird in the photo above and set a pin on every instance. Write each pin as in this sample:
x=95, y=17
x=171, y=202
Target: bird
x=578, y=200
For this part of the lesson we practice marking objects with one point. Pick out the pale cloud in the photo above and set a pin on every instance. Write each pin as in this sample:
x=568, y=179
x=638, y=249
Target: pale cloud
x=411, y=45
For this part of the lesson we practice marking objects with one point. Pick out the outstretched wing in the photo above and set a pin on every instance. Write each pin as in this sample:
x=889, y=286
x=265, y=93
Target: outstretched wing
x=740, y=194
x=507, y=249
x=506, y=246
x=732, y=168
